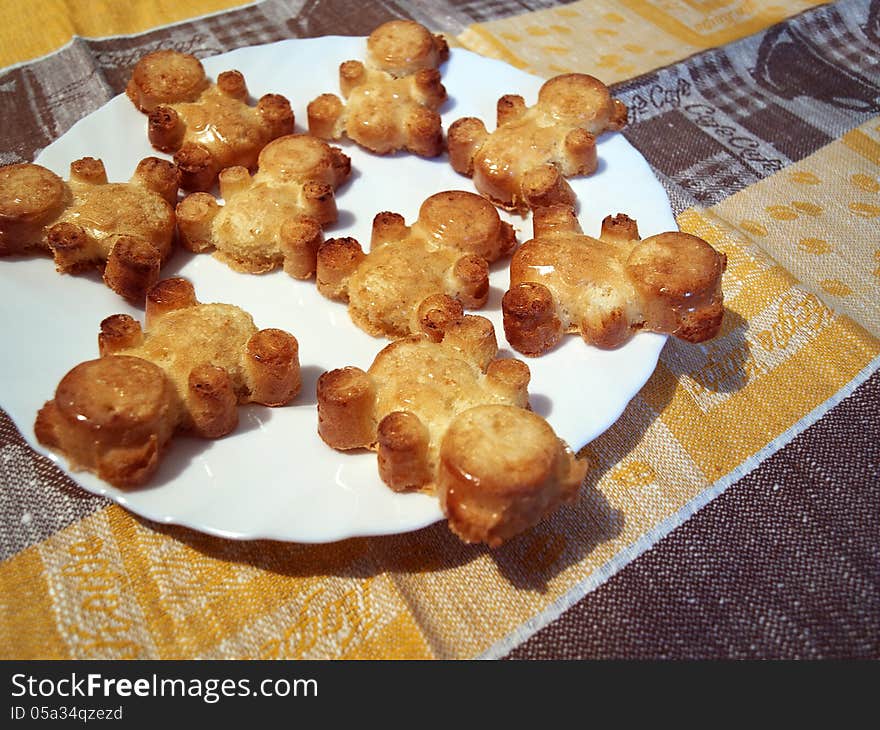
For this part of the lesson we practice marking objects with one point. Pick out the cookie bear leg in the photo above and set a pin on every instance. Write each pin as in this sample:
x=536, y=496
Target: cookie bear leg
x=211, y=401
x=510, y=377
x=276, y=113
x=473, y=337
x=119, y=332
x=319, y=202
x=167, y=296
x=300, y=240
x=509, y=108
x=436, y=314
x=338, y=258
x=233, y=180
x=531, y=323
x=388, y=227
x=197, y=167
x=403, y=451
x=165, y=129
x=469, y=281
x=427, y=88
x=346, y=399
x=132, y=267
x=580, y=149
x=424, y=132
x=88, y=170
x=559, y=218
x=546, y=185
x=463, y=139
x=271, y=367
x=70, y=246
x=195, y=219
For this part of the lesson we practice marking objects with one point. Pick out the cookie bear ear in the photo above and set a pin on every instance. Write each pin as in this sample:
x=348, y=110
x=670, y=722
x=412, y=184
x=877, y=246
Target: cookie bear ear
x=160, y=176
x=346, y=400
x=89, y=171
x=119, y=332
x=531, y=321
x=167, y=296
x=211, y=401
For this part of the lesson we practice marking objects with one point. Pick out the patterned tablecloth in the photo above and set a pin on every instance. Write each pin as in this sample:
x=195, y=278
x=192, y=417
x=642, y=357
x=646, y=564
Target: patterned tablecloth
x=734, y=509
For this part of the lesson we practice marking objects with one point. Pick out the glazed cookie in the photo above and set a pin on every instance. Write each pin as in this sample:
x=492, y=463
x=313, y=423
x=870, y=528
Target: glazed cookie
x=392, y=99
x=608, y=288
x=524, y=162
x=447, y=417
x=207, y=126
x=187, y=370
x=273, y=218
x=126, y=229
x=447, y=251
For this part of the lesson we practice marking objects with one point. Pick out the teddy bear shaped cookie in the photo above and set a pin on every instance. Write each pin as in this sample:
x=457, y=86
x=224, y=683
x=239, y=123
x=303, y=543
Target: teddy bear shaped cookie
x=393, y=98
x=447, y=251
x=274, y=217
x=187, y=370
x=446, y=416
x=206, y=126
x=125, y=229
x=524, y=162
x=608, y=288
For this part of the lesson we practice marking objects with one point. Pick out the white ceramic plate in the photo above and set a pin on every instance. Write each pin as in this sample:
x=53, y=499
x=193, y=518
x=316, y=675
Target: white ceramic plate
x=273, y=477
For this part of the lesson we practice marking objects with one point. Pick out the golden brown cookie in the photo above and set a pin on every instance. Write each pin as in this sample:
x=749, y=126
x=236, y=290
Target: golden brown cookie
x=273, y=218
x=607, y=288
x=392, y=99
x=524, y=162
x=207, y=126
x=447, y=251
x=446, y=416
x=126, y=229
x=187, y=370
